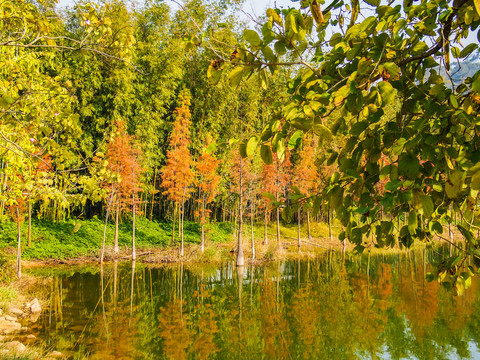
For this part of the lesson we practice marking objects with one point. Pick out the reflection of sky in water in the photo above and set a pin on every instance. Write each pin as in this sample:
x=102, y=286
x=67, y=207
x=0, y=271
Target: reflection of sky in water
x=315, y=309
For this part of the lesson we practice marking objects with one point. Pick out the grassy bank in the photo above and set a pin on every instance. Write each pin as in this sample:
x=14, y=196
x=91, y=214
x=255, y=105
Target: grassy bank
x=78, y=238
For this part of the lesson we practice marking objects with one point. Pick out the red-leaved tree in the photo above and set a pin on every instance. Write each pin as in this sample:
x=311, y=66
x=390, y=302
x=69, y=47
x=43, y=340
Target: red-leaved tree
x=305, y=178
x=124, y=162
x=177, y=174
x=275, y=178
x=208, y=181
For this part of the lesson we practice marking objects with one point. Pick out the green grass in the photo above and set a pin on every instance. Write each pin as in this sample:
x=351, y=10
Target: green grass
x=59, y=241
x=8, y=295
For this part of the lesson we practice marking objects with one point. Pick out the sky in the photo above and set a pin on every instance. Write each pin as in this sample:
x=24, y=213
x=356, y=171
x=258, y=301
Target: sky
x=252, y=7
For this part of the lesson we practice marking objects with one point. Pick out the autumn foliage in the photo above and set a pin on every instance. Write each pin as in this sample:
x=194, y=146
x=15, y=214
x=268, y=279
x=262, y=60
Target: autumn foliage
x=177, y=175
x=124, y=162
x=305, y=174
x=208, y=179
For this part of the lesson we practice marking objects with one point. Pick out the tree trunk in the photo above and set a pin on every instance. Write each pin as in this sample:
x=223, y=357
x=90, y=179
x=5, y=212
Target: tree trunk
x=183, y=217
x=251, y=227
x=308, y=227
x=235, y=223
x=173, y=226
x=298, y=230
x=115, y=240
x=153, y=195
x=134, y=253
x=265, y=234
x=278, y=225
x=29, y=238
x=330, y=235
x=179, y=221
x=202, y=247
x=240, y=257
x=19, y=245
x=109, y=204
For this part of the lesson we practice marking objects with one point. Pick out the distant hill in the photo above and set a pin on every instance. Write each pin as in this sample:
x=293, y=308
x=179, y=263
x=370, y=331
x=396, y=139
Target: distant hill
x=460, y=71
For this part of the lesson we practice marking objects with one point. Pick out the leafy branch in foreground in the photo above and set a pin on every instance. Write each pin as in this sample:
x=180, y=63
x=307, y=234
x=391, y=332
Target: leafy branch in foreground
x=381, y=73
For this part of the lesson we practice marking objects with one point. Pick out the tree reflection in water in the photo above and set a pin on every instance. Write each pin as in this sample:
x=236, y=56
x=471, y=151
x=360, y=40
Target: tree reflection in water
x=335, y=307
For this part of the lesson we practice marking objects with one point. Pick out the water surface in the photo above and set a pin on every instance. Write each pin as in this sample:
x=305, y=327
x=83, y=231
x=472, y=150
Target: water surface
x=333, y=307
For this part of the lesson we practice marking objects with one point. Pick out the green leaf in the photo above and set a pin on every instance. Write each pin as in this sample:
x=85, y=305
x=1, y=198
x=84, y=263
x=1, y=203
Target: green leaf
x=295, y=140
x=409, y=166
x=266, y=154
x=468, y=50
x=281, y=149
x=392, y=69
x=317, y=204
x=475, y=183
x=427, y=205
x=477, y=6
x=269, y=196
x=235, y=76
x=251, y=146
x=214, y=72
x=268, y=54
x=454, y=101
x=271, y=13
x=280, y=48
x=454, y=184
x=412, y=222
x=358, y=127
x=252, y=37
x=387, y=92
x=243, y=149
x=467, y=234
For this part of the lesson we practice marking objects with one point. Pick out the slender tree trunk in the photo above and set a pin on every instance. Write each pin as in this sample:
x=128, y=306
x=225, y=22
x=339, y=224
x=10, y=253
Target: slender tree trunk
x=202, y=248
x=174, y=218
x=115, y=239
x=109, y=204
x=180, y=221
x=115, y=277
x=4, y=182
x=235, y=224
x=134, y=253
x=240, y=257
x=251, y=227
x=330, y=235
x=265, y=228
x=132, y=287
x=298, y=229
x=183, y=217
x=278, y=225
x=153, y=195
x=29, y=238
x=308, y=227
x=19, y=245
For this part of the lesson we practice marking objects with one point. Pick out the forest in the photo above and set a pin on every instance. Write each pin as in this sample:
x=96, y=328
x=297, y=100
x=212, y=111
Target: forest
x=344, y=114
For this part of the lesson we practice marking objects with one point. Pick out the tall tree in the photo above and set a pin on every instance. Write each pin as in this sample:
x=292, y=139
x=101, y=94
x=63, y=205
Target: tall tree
x=208, y=182
x=305, y=179
x=124, y=165
x=177, y=174
x=276, y=177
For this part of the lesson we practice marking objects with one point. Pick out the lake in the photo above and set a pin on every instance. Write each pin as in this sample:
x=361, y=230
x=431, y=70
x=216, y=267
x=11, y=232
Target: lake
x=333, y=307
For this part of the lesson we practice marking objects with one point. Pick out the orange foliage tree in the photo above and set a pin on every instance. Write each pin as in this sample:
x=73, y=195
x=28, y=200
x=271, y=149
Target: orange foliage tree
x=275, y=178
x=125, y=166
x=208, y=181
x=305, y=179
x=177, y=174
x=243, y=181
